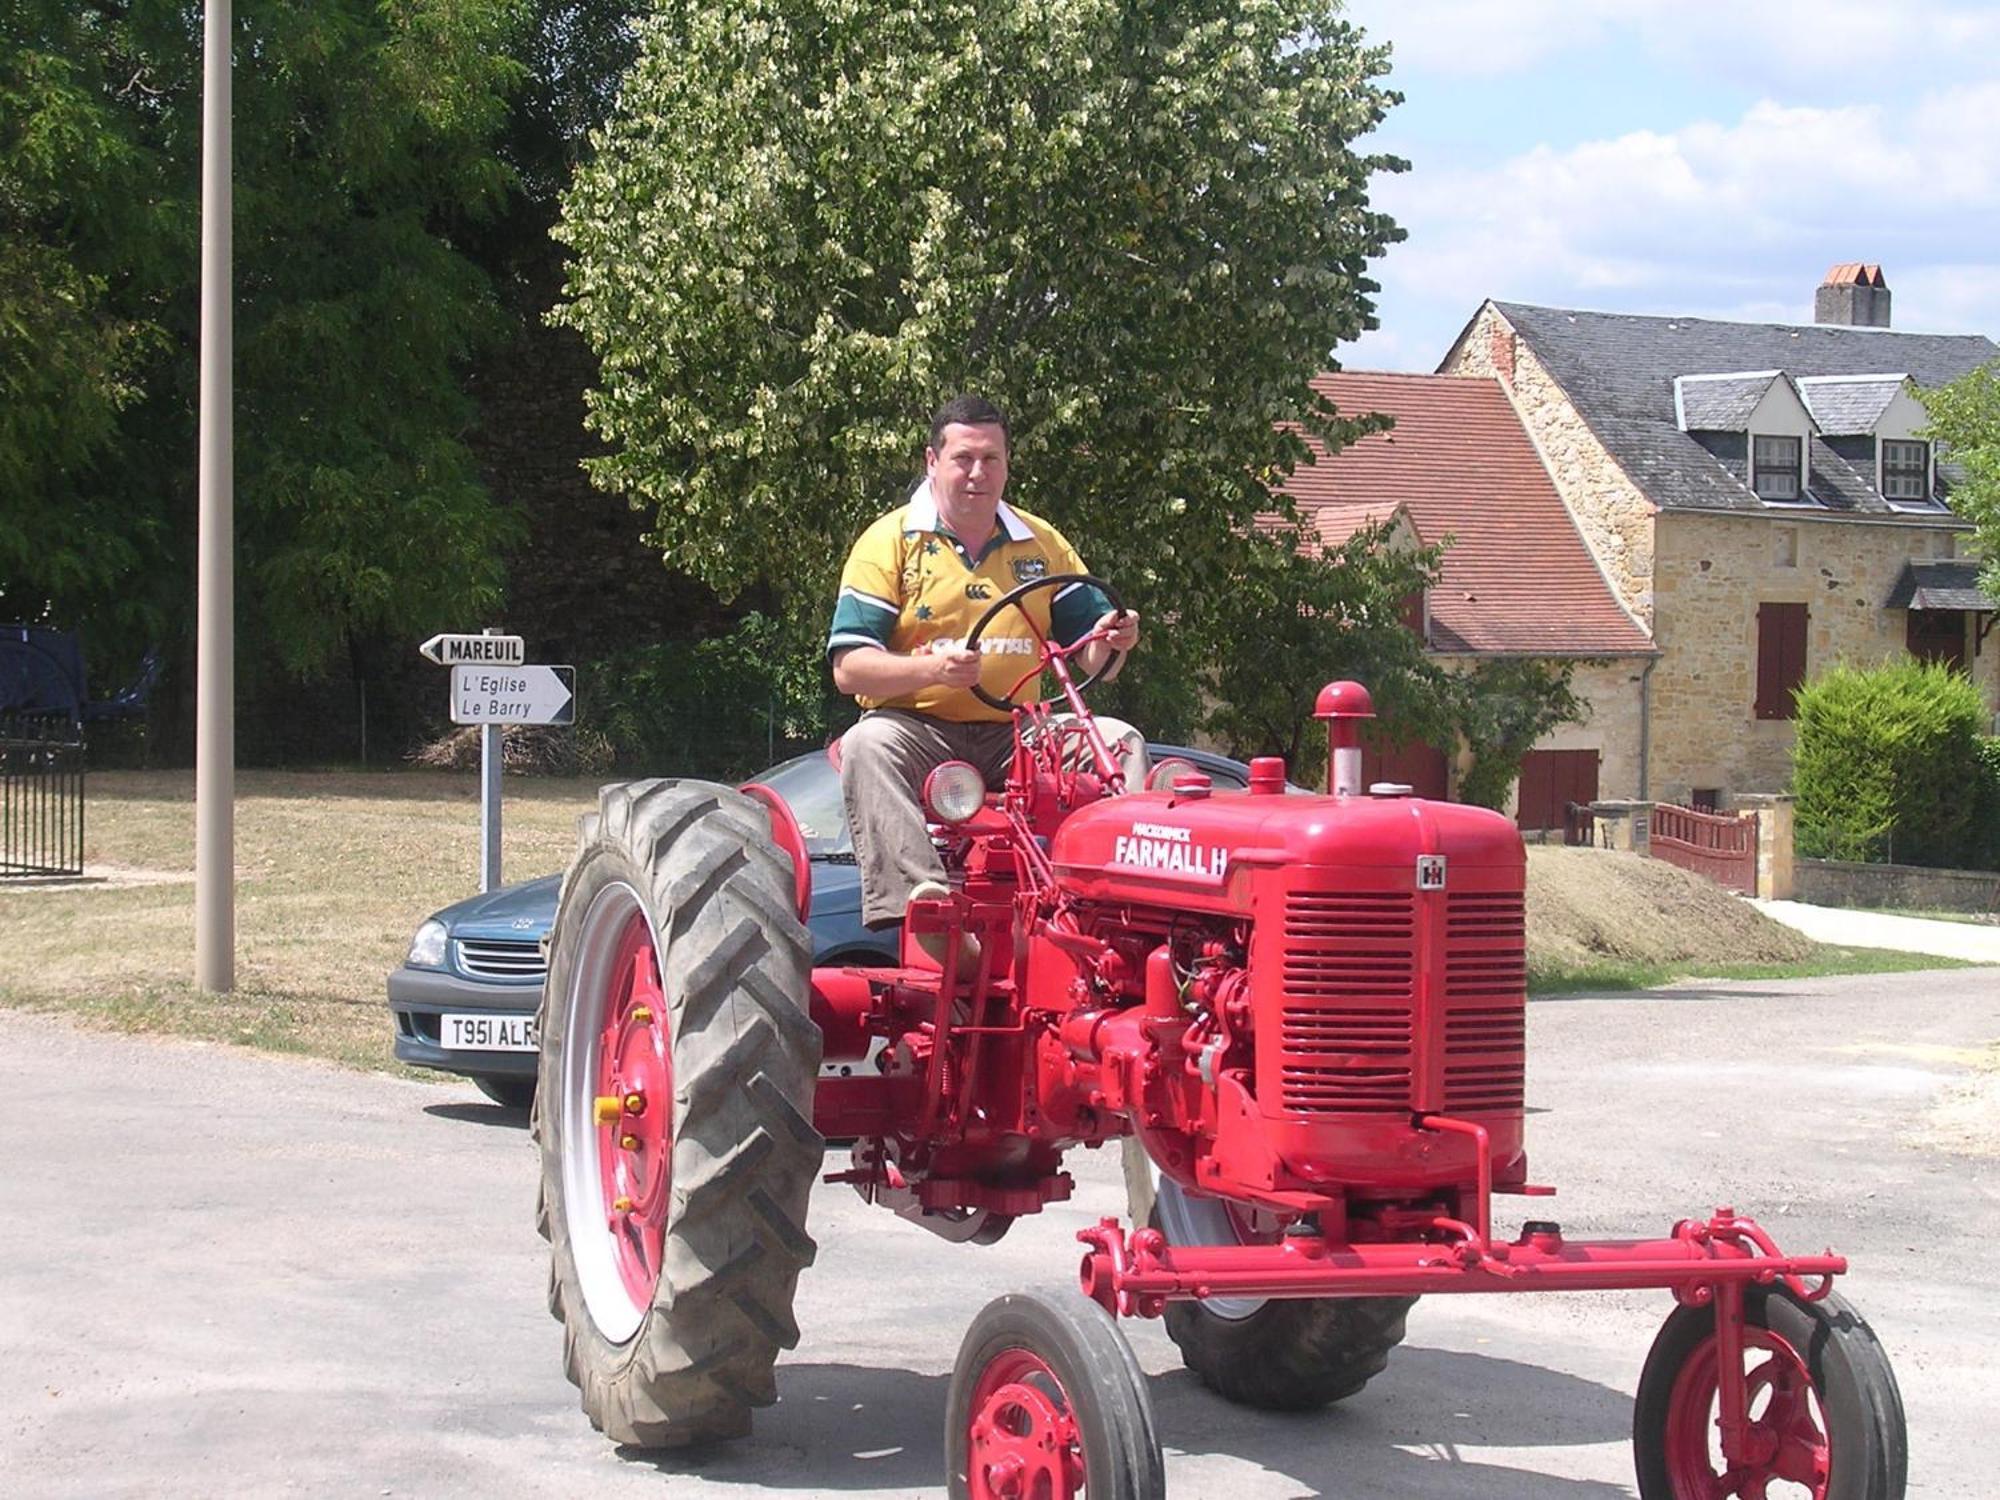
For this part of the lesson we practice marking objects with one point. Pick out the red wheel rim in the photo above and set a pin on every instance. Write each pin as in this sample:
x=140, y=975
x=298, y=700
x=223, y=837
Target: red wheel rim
x=1023, y=1442
x=1786, y=1454
x=635, y=1072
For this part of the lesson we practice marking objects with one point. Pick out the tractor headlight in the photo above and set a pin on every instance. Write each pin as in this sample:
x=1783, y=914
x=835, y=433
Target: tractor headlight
x=954, y=791
x=1163, y=776
x=427, y=947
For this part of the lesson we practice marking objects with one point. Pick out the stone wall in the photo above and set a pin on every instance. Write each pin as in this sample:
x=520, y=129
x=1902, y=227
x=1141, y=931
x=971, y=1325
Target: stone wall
x=1714, y=570
x=1611, y=689
x=1616, y=519
x=1831, y=882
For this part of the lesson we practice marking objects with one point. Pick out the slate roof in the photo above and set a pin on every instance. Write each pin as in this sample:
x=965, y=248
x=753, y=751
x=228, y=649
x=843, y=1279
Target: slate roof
x=1517, y=578
x=1720, y=403
x=1618, y=370
x=1849, y=405
x=1939, y=585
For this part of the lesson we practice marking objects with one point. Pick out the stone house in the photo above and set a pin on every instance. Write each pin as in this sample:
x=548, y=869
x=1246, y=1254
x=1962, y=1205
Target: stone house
x=1519, y=579
x=1756, y=500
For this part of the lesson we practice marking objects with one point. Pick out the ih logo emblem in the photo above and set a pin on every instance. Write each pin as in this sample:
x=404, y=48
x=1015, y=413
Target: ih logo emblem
x=1430, y=872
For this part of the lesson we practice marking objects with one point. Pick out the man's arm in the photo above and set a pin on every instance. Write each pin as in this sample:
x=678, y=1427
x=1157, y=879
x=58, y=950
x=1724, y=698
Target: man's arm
x=877, y=672
x=1123, y=626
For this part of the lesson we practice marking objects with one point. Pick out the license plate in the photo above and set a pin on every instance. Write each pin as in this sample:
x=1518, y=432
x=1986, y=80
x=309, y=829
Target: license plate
x=490, y=1033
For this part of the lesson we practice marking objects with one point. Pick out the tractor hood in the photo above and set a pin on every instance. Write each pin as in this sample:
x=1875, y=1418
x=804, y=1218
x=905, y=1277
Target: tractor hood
x=1163, y=848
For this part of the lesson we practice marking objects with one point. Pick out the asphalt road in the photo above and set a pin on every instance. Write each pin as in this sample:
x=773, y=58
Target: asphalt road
x=228, y=1274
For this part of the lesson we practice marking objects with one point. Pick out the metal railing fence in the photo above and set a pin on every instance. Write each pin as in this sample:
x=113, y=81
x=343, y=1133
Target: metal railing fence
x=41, y=795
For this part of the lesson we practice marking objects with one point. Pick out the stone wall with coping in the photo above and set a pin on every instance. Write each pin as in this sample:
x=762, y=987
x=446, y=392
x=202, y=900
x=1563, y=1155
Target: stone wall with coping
x=1614, y=516
x=1832, y=882
x=1714, y=571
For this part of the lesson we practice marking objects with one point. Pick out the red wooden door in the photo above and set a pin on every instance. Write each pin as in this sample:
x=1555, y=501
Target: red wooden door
x=1552, y=782
x=1418, y=766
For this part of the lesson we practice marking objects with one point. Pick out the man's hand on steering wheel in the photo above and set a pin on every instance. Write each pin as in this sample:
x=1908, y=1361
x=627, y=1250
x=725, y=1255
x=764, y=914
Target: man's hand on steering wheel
x=1098, y=651
x=1120, y=627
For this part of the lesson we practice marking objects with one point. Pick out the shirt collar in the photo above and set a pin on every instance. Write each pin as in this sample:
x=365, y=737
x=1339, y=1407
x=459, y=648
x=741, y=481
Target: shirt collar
x=921, y=514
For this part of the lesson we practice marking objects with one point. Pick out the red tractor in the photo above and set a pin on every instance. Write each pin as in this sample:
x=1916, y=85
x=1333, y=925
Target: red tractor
x=1304, y=1014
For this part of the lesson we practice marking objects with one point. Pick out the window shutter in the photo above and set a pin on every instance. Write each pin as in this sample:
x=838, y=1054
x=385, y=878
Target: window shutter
x=1781, y=657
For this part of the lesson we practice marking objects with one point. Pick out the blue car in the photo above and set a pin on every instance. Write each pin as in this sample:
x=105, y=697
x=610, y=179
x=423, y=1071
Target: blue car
x=466, y=997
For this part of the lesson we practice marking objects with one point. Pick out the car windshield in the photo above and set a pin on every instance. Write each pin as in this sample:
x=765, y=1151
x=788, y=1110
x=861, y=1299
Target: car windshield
x=811, y=788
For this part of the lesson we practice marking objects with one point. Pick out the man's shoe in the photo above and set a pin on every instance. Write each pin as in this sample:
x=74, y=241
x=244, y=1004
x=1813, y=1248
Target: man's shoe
x=933, y=943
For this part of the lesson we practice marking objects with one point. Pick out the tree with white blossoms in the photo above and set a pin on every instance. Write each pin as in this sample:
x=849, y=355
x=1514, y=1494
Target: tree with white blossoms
x=1140, y=227
x=1965, y=419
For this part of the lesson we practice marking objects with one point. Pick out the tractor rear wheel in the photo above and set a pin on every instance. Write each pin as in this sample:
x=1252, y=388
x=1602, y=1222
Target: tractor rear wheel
x=1272, y=1354
x=673, y=1113
x=1047, y=1402
x=1826, y=1419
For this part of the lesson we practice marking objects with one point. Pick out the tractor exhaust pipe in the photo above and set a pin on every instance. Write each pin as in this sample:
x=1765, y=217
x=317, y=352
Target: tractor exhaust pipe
x=1344, y=705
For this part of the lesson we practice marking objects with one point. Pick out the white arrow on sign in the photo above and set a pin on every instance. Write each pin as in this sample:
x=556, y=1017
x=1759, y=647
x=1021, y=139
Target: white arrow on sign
x=475, y=650
x=513, y=695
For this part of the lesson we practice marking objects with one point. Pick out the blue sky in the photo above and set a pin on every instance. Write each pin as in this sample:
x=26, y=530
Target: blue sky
x=1684, y=156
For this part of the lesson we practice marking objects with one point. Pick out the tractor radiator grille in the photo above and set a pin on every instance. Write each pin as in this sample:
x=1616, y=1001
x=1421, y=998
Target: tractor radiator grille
x=501, y=958
x=1486, y=963
x=1358, y=950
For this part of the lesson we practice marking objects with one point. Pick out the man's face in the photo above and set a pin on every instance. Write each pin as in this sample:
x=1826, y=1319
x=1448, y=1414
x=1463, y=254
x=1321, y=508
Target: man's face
x=969, y=466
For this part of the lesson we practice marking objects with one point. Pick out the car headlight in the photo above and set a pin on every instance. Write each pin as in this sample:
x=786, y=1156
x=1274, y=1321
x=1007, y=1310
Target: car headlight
x=427, y=947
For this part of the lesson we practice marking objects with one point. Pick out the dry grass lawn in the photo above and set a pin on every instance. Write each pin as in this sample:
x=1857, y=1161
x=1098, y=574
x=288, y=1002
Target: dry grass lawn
x=336, y=869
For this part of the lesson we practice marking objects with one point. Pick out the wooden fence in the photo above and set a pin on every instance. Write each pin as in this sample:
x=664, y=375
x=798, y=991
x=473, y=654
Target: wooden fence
x=1722, y=846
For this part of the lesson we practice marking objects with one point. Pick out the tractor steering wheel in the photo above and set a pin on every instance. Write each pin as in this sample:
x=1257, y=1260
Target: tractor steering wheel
x=1012, y=600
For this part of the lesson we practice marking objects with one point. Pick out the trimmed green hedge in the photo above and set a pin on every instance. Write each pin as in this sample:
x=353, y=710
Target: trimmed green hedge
x=1888, y=767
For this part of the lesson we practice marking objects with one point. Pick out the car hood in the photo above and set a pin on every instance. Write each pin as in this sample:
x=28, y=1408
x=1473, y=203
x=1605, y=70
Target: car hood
x=526, y=910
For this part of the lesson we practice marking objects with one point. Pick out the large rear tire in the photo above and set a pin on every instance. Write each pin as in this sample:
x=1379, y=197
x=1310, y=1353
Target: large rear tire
x=673, y=1112
x=1268, y=1353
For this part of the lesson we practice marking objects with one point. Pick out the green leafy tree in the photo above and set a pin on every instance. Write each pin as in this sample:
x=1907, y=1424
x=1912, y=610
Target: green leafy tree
x=1965, y=418
x=364, y=156
x=1502, y=706
x=1309, y=614
x=1142, y=228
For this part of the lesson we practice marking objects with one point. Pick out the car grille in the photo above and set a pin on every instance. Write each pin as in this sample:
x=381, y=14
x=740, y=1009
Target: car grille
x=502, y=958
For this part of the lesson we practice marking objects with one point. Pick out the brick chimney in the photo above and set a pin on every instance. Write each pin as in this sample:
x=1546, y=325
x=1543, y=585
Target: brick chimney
x=1854, y=295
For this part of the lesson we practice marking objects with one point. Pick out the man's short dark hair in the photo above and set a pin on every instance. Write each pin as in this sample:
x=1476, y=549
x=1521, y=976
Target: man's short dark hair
x=970, y=411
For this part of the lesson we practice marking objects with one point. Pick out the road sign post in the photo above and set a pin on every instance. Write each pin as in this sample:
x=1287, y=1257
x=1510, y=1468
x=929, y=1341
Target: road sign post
x=494, y=685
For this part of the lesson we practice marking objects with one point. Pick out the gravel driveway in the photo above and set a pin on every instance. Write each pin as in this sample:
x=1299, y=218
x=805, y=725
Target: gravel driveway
x=224, y=1273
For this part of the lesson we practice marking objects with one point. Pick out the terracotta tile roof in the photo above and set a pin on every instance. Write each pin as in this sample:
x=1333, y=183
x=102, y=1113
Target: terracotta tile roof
x=1518, y=578
x=1337, y=520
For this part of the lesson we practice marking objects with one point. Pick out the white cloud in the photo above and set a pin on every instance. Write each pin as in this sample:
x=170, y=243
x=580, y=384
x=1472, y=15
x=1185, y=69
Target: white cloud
x=1768, y=41
x=1729, y=220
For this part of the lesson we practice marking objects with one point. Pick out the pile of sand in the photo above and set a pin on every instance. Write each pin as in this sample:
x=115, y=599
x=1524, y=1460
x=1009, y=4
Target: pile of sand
x=1597, y=905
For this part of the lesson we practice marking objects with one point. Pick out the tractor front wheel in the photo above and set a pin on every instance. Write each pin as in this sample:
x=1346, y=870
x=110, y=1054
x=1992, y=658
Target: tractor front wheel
x=1047, y=1402
x=1826, y=1419
x=673, y=1112
x=1268, y=1353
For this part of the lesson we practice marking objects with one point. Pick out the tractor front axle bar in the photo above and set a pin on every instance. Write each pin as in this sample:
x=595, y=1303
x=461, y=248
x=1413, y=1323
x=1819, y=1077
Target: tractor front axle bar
x=1139, y=1273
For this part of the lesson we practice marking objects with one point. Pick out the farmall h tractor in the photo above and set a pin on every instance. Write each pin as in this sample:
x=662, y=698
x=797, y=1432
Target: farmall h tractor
x=1303, y=1014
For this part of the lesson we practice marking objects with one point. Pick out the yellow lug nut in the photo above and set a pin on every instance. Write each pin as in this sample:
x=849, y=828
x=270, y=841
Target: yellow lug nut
x=642, y=1015
x=608, y=1108
x=635, y=1103
x=622, y=1205
x=628, y=1142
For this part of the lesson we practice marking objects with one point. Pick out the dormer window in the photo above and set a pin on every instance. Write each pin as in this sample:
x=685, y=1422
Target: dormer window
x=1776, y=468
x=1906, y=470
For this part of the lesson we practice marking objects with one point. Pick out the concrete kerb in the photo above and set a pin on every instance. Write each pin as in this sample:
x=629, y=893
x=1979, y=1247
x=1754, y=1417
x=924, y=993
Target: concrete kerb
x=1873, y=929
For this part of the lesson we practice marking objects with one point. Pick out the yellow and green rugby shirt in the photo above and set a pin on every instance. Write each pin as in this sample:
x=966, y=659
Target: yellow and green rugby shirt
x=909, y=582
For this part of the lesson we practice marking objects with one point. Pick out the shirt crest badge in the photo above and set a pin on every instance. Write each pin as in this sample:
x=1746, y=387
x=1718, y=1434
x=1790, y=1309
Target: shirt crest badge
x=1028, y=569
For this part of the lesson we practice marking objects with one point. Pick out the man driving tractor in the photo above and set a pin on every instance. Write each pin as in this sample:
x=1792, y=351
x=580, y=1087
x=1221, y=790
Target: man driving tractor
x=915, y=584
